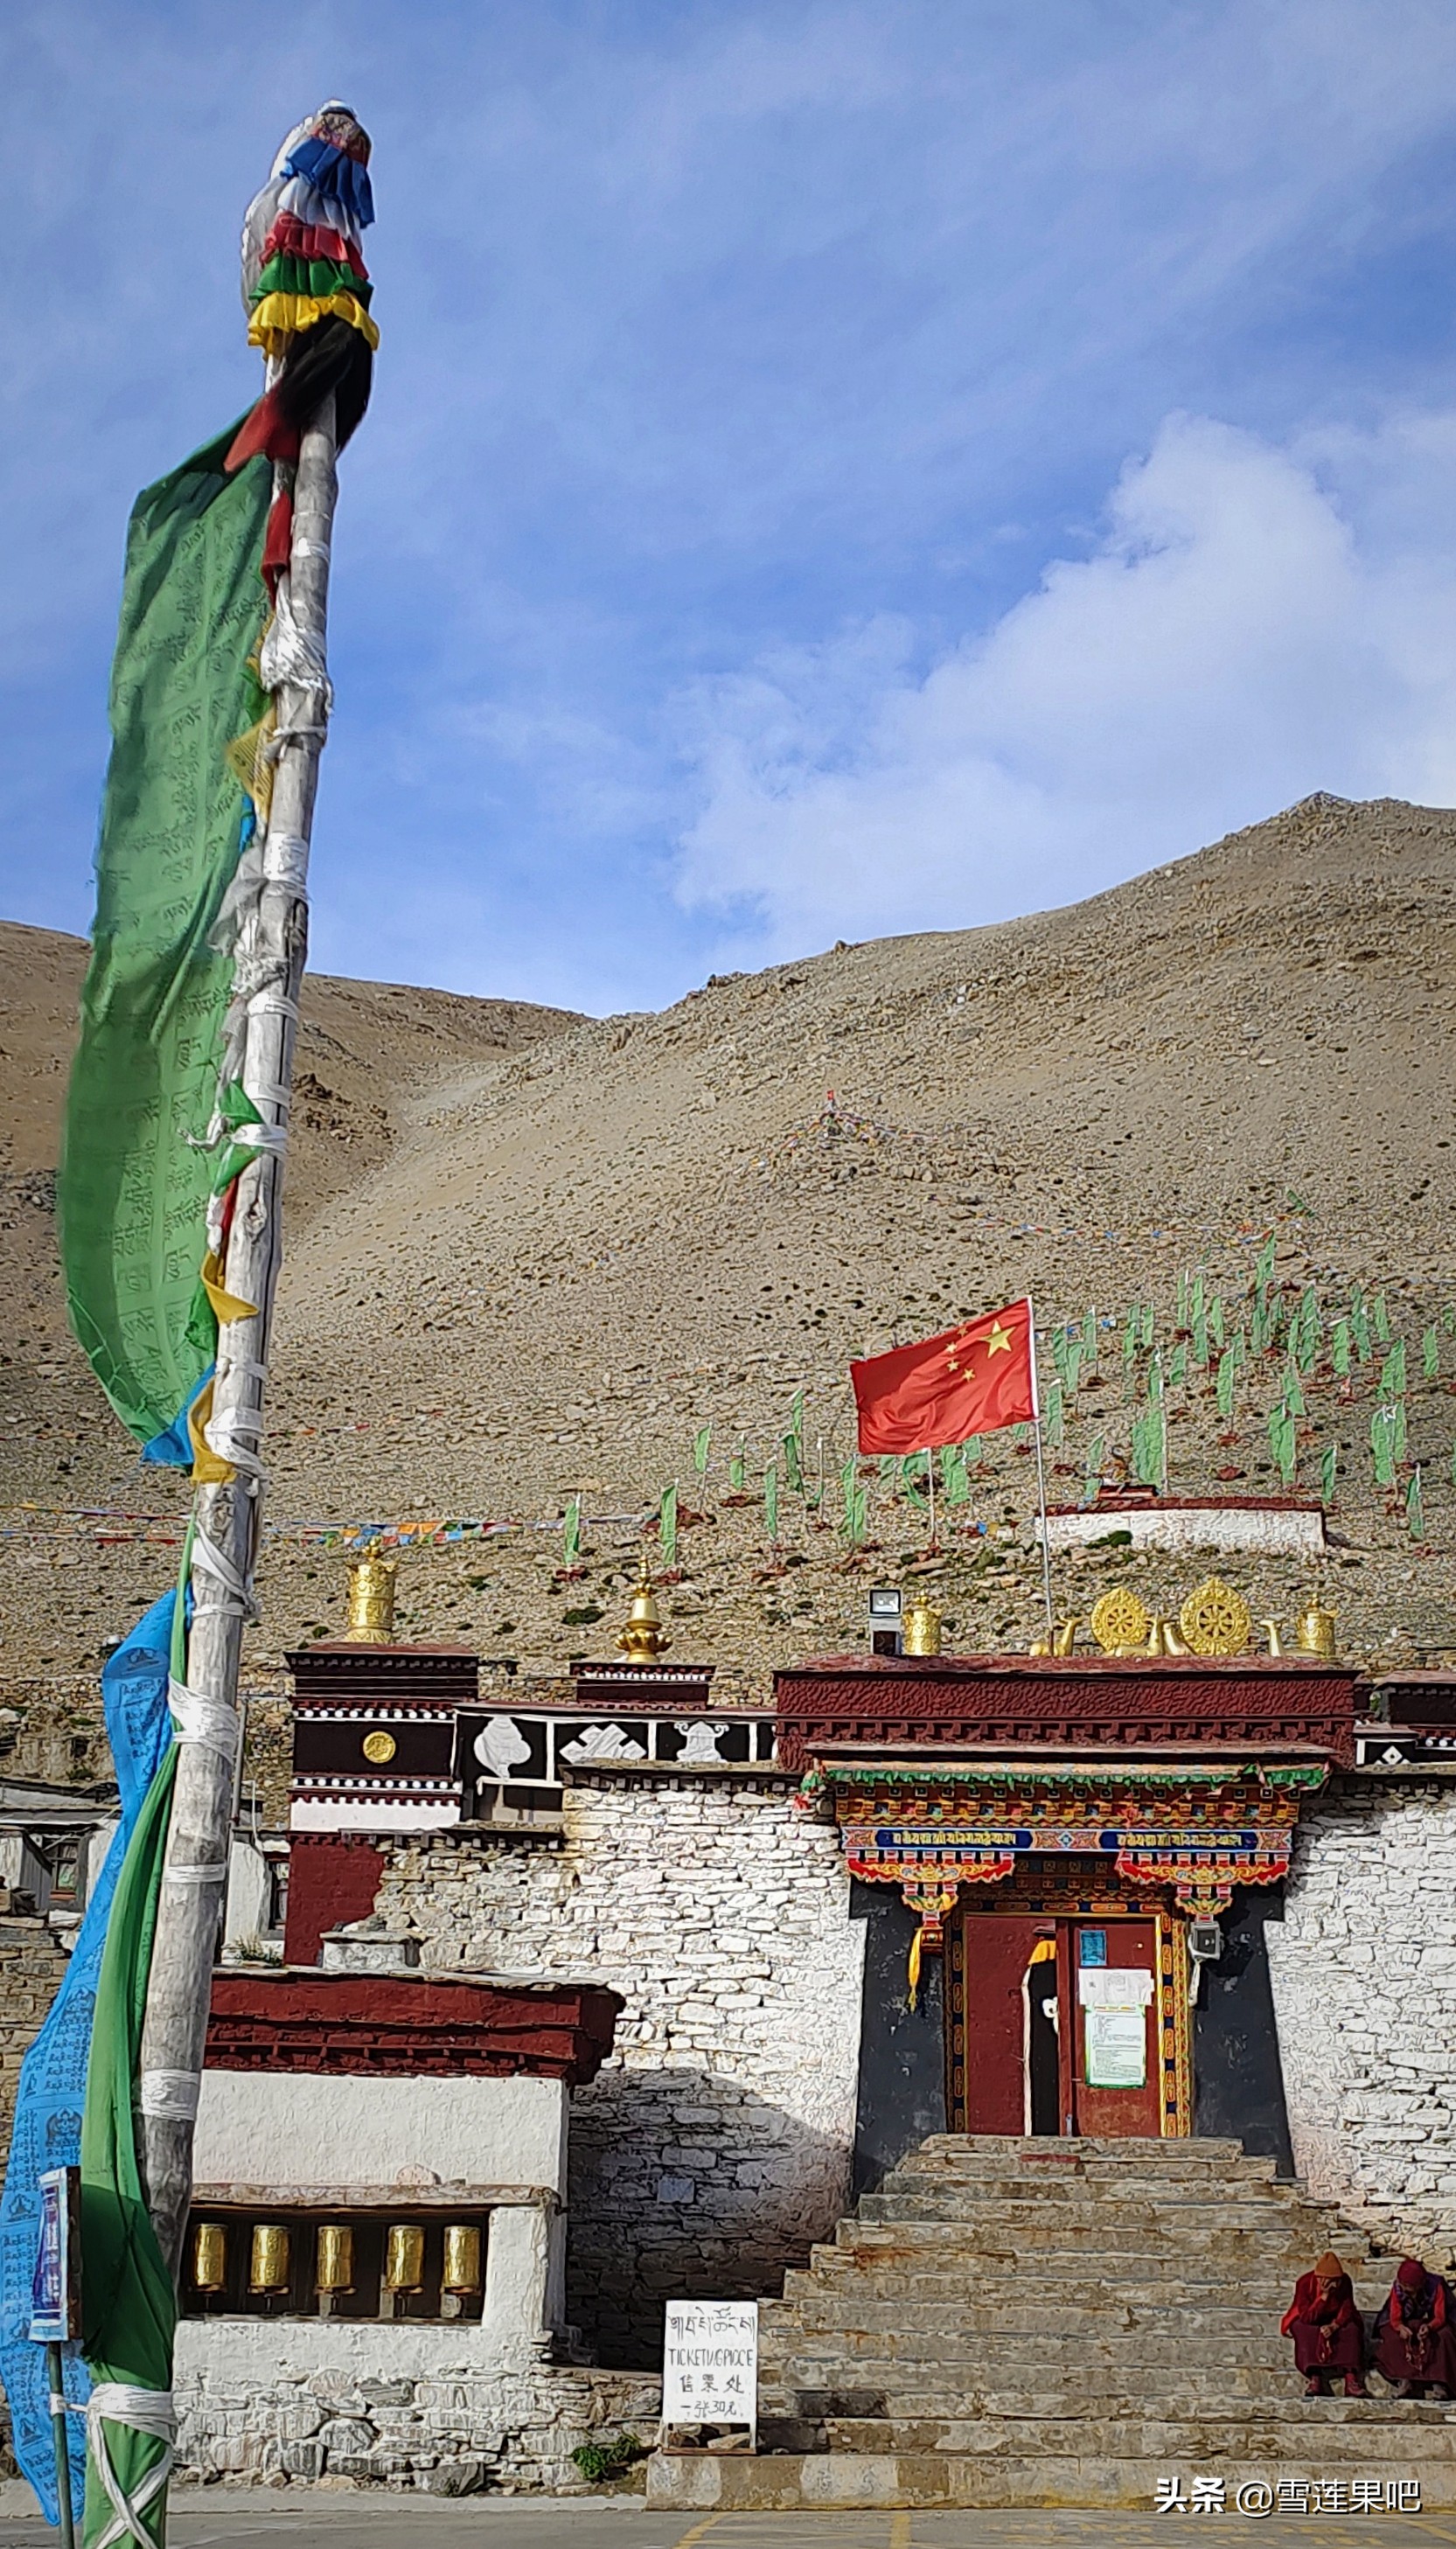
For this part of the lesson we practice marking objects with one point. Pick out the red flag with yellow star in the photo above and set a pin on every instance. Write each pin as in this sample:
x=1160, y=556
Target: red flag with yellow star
x=971, y=1380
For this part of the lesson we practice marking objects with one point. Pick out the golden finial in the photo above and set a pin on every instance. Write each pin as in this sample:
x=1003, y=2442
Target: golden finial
x=920, y=1629
x=641, y=1640
x=371, y=1602
x=1314, y=1632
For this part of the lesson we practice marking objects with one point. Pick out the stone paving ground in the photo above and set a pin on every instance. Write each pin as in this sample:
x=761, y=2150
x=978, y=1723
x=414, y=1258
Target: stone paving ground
x=251, y=2519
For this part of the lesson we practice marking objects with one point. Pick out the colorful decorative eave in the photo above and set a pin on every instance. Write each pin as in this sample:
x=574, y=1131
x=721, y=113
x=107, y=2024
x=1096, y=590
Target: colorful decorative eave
x=1199, y=1828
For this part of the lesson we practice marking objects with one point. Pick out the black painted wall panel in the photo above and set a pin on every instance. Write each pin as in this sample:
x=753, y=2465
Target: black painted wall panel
x=902, y=2052
x=1238, y=2084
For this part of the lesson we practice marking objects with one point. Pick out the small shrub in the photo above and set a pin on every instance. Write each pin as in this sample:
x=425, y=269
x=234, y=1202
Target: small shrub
x=608, y=2460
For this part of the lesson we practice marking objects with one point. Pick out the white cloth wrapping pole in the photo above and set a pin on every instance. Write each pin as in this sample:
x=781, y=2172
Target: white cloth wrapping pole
x=146, y=2411
x=200, y=1720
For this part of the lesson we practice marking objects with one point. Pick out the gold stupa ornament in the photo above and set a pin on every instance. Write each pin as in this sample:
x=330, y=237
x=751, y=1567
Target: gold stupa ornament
x=1214, y=1619
x=371, y=1602
x=641, y=1640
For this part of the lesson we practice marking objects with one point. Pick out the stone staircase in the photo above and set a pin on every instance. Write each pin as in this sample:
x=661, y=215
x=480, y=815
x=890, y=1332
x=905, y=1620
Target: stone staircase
x=1042, y=2323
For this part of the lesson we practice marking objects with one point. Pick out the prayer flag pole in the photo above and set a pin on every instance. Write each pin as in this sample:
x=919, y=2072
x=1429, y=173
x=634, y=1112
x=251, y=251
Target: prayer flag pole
x=227, y=1514
x=317, y=376
x=1040, y=1464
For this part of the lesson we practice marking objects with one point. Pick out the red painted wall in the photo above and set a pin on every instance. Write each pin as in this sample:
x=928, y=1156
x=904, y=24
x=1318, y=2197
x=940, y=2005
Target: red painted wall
x=333, y=1877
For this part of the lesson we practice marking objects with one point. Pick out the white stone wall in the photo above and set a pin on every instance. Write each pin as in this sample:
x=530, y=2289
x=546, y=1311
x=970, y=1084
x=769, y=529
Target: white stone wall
x=296, y=2131
x=715, y=2146
x=1364, y=1974
x=271, y=2400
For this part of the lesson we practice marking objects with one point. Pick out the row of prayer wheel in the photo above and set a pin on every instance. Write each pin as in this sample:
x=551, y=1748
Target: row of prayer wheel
x=271, y=2257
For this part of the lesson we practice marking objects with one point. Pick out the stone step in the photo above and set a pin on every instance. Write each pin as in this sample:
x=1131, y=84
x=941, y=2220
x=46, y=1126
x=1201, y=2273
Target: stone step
x=1127, y=2150
x=838, y=2360
x=1210, y=2333
x=791, y=2482
x=1053, y=2168
x=1333, y=2432
x=1067, y=2204
x=897, y=2266
x=1149, y=2283
x=1029, y=2388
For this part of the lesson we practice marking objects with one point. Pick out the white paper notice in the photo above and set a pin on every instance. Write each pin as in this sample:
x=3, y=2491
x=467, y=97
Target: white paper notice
x=710, y=2364
x=1116, y=2049
x=1114, y=1986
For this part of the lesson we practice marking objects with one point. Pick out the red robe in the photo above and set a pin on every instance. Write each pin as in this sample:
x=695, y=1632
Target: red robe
x=1414, y=2336
x=1328, y=2329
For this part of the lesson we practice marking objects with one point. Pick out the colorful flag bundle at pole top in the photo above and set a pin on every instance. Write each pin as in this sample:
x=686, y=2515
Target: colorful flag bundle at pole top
x=158, y=1125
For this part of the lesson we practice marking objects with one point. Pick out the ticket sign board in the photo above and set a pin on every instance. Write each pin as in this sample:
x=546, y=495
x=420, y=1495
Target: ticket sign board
x=710, y=2364
x=55, y=2285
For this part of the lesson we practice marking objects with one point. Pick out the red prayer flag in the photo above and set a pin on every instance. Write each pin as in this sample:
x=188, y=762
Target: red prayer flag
x=968, y=1382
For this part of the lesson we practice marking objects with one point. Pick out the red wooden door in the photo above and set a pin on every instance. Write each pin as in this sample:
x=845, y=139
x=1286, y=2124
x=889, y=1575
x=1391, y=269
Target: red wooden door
x=996, y=1958
x=1110, y=2026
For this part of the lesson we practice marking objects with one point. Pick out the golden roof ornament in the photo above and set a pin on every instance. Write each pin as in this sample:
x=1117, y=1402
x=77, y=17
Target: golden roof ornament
x=1214, y=1619
x=641, y=1640
x=1121, y=1622
x=1314, y=1632
x=371, y=1602
x=919, y=1628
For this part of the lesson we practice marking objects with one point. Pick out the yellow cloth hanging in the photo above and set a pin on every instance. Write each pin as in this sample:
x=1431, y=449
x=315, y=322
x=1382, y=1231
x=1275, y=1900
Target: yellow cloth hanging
x=225, y=1305
x=281, y=314
x=913, y=1970
x=1044, y=1953
x=209, y=1468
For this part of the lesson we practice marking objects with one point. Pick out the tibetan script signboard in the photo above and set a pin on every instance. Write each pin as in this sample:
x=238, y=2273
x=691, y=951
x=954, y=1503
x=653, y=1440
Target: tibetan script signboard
x=709, y=2365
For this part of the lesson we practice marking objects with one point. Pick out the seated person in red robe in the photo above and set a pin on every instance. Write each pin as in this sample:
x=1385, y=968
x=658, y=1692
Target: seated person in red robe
x=1414, y=2341
x=1328, y=2329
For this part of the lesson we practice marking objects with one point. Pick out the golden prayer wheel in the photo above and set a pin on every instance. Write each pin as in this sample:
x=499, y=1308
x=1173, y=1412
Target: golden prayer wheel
x=334, y=2258
x=268, y=2267
x=920, y=1630
x=1314, y=1632
x=371, y=1602
x=404, y=2258
x=641, y=1640
x=210, y=2257
x=461, y=2272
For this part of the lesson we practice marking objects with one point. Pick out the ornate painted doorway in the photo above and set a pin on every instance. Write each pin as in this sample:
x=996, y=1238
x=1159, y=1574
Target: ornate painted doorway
x=1067, y=2019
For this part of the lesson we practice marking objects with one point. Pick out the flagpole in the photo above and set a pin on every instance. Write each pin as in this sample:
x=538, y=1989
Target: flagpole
x=930, y=1478
x=269, y=970
x=1041, y=1465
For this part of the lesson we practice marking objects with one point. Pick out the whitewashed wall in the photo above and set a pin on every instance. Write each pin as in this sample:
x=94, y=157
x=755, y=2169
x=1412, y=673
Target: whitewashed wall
x=716, y=2144
x=1364, y=1974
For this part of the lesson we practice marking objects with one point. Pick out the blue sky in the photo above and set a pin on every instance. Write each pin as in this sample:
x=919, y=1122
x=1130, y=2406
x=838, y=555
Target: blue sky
x=834, y=469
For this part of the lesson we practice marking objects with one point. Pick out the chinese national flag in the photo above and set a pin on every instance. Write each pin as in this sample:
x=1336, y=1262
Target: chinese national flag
x=968, y=1382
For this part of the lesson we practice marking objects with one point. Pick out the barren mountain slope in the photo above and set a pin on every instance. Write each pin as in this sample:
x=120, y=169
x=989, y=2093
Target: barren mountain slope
x=570, y=1257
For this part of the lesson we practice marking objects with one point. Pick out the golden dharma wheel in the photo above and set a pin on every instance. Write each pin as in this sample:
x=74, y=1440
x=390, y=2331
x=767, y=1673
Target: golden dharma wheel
x=268, y=2267
x=461, y=2272
x=334, y=2258
x=1214, y=1619
x=404, y=2258
x=1121, y=1622
x=210, y=2257
x=379, y=1747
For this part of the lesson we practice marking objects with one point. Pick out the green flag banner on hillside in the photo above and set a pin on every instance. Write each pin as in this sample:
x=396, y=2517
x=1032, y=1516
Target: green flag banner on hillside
x=133, y=1185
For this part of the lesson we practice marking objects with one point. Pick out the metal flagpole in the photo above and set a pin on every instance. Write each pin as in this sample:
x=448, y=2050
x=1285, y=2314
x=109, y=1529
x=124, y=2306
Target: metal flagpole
x=1041, y=1465
x=931, y=1479
x=269, y=972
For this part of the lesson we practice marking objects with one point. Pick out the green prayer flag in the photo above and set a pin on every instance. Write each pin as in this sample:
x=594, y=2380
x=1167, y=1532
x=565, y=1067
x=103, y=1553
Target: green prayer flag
x=1382, y=1446
x=1216, y=1321
x=771, y=1499
x=1415, y=1509
x=133, y=1188
x=793, y=1469
x=1089, y=1337
x=571, y=1530
x=738, y=1467
x=1056, y=1416
x=1392, y=1372
x=1339, y=1349
x=700, y=1441
x=667, y=1524
x=1178, y=1366
x=1379, y=1319
x=1093, y=1479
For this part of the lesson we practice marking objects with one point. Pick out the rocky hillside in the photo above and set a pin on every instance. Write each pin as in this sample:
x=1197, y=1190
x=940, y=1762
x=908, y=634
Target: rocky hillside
x=534, y=1256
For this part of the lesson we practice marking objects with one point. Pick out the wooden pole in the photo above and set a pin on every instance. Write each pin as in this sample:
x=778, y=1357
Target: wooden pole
x=269, y=969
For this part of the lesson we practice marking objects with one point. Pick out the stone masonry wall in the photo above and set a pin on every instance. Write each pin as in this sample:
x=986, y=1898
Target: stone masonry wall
x=715, y=2146
x=30, y=1967
x=449, y=2433
x=1364, y=1974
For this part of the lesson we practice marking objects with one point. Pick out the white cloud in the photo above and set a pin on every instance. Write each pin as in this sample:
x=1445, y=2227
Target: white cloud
x=1253, y=624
